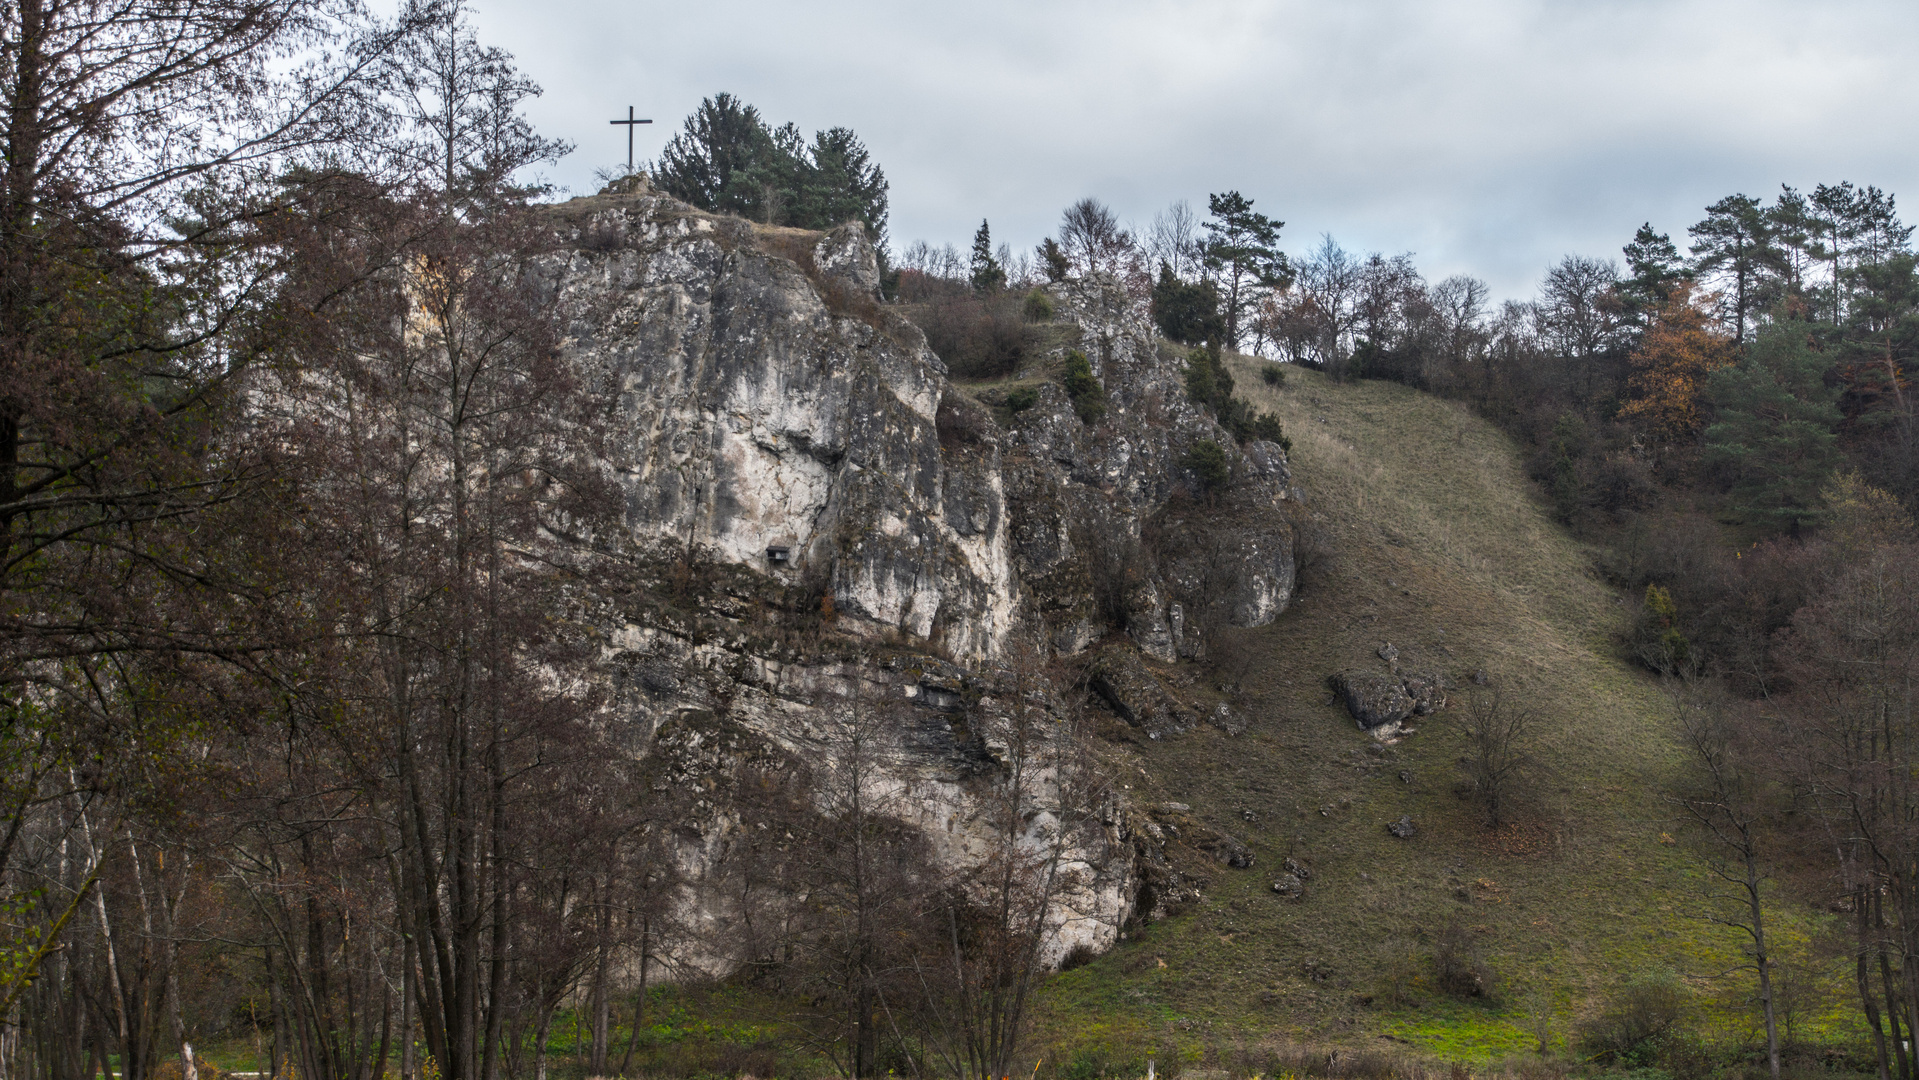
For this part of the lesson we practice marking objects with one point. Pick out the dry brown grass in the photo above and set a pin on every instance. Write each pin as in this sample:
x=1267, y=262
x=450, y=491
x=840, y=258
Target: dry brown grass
x=1438, y=545
x=1440, y=540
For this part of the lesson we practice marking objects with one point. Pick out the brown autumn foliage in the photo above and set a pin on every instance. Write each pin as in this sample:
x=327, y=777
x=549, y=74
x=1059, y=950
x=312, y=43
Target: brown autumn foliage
x=1679, y=352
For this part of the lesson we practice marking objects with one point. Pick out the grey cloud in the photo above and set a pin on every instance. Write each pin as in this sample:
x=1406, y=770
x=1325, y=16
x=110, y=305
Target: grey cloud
x=1490, y=138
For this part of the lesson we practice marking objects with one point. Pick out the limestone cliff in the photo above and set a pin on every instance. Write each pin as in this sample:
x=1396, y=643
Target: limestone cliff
x=817, y=523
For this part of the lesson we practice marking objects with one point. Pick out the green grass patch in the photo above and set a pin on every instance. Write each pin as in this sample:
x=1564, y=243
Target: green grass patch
x=1455, y=1032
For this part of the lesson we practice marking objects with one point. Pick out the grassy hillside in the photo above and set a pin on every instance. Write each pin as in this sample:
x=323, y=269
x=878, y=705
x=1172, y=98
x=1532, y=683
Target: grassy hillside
x=1434, y=543
x=1430, y=539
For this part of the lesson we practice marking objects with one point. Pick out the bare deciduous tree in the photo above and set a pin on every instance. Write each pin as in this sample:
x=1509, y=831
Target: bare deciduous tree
x=150, y=152
x=1579, y=317
x=1854, y=654
x=864, y=871
x=1314, y=319
x=1496, y=757
x=1046, y=799
x=1459, y=303
x=1725, y=796
x=1093, y=240
x=1173, y=241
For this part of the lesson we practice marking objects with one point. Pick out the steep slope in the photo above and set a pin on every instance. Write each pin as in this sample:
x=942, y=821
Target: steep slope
x=1429, y=540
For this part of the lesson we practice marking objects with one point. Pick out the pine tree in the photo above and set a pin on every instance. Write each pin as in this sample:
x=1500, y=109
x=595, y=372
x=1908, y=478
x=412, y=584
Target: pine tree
x=1052, y=259
x=1791, y=222
x=840, y=183
x=1851, y=230
x=1733, y=244
x=1242, y=248
x=719, y=158
x=1656, y=266
x=988, y=275
x=1777, y=429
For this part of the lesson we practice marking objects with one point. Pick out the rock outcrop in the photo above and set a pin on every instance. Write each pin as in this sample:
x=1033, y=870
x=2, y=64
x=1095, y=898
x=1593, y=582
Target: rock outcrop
x=1378, y=700
x=819, y=528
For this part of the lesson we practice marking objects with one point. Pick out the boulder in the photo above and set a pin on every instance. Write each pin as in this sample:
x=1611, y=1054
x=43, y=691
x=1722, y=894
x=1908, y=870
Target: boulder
x=1238, y=560
x=1268, y=459
x=1227, y=719
x=849, y=256
x=1147, y=624
x=1403, y=828
x=1374, y=698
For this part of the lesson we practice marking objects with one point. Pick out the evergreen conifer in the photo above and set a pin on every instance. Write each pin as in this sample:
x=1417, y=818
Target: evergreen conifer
x=988, y=275
x=1777, y=429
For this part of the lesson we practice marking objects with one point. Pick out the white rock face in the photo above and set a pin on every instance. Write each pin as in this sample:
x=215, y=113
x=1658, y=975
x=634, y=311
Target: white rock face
x=759, y=398
x=753, y=415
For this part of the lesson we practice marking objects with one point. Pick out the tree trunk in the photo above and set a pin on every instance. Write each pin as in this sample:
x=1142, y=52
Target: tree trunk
x=596, y=1065
x=408, y=958
x=16, y=300
x=277, y=1004
x=865, y=1049
x=1894, y=1011
x=1763, y=959
x=378, y=1071
x=129, y=1057
x=1862, y=978
x=639, y=1000
x=539, y=1043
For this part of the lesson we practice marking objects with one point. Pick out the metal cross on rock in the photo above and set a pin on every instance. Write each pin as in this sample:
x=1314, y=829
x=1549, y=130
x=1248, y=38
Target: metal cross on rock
x=629, y=122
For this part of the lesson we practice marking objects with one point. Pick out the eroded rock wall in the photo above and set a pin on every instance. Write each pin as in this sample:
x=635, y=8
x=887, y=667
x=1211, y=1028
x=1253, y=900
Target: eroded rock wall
x=816, y=523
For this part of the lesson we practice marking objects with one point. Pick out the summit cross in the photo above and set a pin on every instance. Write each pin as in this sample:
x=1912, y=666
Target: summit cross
x=629, y=122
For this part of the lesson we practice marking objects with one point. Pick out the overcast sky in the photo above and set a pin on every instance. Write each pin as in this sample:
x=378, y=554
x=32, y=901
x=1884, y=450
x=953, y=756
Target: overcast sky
x=1488, y=138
